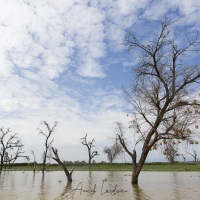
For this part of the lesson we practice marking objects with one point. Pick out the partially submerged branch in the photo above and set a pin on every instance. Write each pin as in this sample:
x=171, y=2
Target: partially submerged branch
x=57, y=159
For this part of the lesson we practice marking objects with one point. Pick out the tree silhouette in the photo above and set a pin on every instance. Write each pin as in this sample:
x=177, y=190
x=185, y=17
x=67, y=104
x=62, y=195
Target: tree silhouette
x=47, y=134
x=164, y=94
x=89, y=145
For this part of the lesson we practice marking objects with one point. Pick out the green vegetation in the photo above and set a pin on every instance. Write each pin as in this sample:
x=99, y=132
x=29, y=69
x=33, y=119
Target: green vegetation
x=158, y=166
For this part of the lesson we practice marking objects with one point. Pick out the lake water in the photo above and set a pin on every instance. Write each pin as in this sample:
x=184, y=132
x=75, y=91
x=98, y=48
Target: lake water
x=99, y=186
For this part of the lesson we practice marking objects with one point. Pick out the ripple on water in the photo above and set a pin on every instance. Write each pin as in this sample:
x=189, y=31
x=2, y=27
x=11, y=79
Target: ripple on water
x=99, y=185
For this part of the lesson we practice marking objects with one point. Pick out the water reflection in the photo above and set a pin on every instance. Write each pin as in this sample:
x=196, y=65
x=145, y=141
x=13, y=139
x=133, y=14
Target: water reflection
x=33, y=178
x=99, y=185
x=45, y=186
x=67, y=192
x=42, y=194
x=176, y=189
x=91, y=187
x=139, y=194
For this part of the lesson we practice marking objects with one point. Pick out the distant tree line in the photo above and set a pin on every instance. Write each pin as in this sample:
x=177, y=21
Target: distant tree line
x=12, y=149
x=75, y=163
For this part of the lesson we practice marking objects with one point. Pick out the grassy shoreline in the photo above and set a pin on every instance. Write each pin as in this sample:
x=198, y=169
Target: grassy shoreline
x=115, y=167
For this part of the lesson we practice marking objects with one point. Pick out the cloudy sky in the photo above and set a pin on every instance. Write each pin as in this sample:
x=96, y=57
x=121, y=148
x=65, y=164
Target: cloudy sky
x=64, y=60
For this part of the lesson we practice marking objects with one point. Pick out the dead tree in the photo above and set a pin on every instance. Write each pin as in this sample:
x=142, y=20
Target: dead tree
x=34, y=161
x=89, y=145
x=15, y=155
x=12, y=155
x=171, y=151
x=8, y=144
x=194, y=155
x=48, y=142
x=113, y=151
x=164, y=94
x=183, y=157
x=57, y=159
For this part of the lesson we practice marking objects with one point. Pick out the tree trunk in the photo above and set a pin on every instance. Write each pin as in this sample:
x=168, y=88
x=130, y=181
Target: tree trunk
x=44, y=162
x=111, y=163
x=138, y=167
x=89, y=163
x=2, y=161
x=1, y=166
x=57, y=159
x=5, y=165
x=134, y=179
x=34, y=166
x=11, y=165
x=67, y=173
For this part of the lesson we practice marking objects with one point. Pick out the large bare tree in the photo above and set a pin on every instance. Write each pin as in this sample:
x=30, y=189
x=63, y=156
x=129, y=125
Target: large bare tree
x=164, y=94
x=48, y=141
x=89, y=145
x=10, y=147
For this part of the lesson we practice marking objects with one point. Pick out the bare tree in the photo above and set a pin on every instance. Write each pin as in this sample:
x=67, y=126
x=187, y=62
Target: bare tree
x=48, y=142
x=183, y=157
x=57, y=159
x=89, y=145
x=194, y=155
x=10, y=147
x=164, y=95
x=6, y=160
x=13, y=156
x=171, y=151
x=113, y=151
x=34, y=161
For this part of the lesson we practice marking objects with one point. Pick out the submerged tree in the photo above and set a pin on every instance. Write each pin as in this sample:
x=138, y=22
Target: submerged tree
x=113, y=151
x=10, y=148
x=48, y=141
x=163, y=96
x=34, y=161
x=89, y=145
x=57, y=159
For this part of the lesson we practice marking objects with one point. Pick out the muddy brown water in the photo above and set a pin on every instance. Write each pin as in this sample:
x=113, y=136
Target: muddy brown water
x=99, y=186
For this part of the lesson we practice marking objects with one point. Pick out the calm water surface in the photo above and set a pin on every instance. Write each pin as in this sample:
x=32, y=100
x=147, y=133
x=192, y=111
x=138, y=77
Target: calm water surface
x=100, y=186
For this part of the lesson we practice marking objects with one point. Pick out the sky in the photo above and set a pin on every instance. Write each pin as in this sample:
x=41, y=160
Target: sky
x=65, y=61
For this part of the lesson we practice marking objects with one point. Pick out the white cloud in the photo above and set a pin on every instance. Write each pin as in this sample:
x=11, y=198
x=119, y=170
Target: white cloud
x=121, y=15
x=188, y=10
x=90, y=68
x=46, y=37
x=52, y=37
x=95, y=117
x=51, y=53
